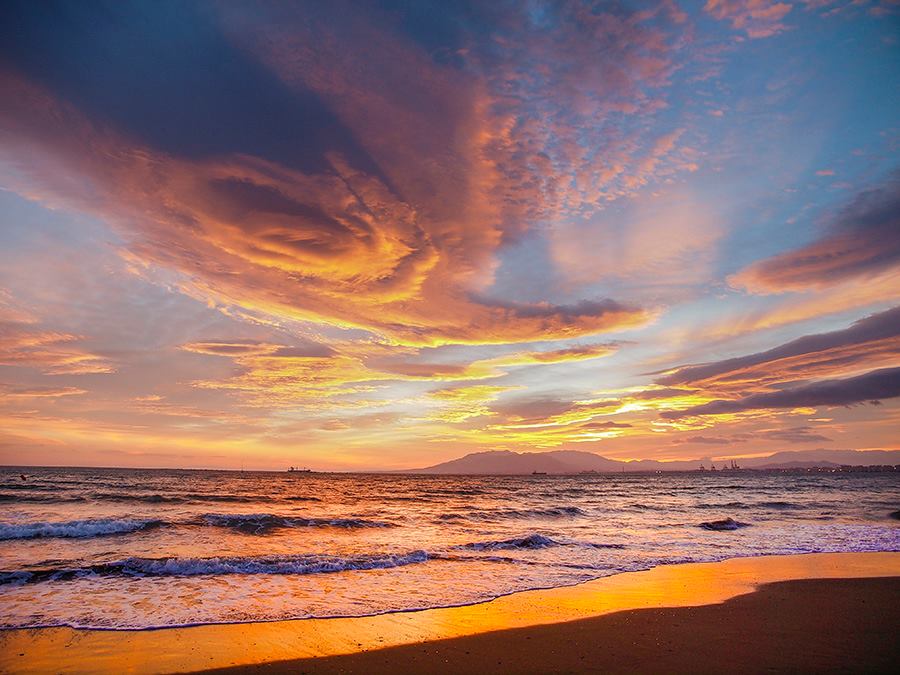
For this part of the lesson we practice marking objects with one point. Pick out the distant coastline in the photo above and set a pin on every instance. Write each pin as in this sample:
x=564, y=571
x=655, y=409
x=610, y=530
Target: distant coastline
x=572, y=462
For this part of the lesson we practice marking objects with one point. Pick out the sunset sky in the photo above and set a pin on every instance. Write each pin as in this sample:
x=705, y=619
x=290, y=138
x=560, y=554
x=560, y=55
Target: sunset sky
x=354, y=235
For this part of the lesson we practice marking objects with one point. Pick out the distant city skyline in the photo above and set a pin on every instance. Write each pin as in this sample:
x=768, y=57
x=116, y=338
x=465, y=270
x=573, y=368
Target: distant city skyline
x=378, y=236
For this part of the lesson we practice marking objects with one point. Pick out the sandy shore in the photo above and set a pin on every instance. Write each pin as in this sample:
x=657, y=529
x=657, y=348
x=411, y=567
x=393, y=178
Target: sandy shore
x=678, y=618
x=846, y=625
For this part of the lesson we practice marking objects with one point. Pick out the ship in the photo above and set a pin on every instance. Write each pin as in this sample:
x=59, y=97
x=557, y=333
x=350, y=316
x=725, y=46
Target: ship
x=295, y=469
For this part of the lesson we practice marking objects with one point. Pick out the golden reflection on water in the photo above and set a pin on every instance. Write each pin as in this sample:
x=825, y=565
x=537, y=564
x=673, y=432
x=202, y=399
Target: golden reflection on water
x=65, y=650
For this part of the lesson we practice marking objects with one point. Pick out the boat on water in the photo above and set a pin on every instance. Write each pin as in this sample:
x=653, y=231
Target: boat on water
x=538, y=473
x=295, y=469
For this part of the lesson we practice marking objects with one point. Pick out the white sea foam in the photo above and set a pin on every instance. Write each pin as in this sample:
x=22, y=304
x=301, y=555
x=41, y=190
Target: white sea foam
x=96, y=527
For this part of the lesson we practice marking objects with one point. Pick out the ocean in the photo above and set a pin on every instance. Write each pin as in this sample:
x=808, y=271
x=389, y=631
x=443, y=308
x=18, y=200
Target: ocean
x=136, y=549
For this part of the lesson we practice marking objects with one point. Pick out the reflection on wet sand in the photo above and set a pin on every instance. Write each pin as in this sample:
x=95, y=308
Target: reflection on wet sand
x=188, y=649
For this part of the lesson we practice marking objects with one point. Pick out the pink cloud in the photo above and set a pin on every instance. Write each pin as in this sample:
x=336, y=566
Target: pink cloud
x=756, y=18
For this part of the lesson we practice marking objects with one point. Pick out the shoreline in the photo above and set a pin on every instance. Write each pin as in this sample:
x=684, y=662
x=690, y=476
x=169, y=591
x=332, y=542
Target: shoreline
x=212, y=646
x=807, y=625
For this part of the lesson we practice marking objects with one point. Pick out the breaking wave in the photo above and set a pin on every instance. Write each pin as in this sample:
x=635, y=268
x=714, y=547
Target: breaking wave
x=529, y=542
x=514, y=514
x=532, y=541
x=98, y=527
x=191, y=567
x=264, y=523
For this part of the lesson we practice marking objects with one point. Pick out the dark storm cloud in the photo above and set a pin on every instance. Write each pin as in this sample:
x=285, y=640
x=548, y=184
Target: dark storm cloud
x=162, y=73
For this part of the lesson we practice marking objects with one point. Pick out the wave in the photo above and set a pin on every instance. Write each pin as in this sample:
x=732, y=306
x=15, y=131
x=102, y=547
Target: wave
x=258, y=523
x=153, y=498
x=175, y=498
x=264, y=523
x=234, y=565
x=145, y=499
x=98, y=527
x=40, y=498
x=723, y=525
x=447, y=492
x=502, y=514
x=532, y=541
x=778, y=505
x=27, y=486
x=529, y=542
x=125, y=497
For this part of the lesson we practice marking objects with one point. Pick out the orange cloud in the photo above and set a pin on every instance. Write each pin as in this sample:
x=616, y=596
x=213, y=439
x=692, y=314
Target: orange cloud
x=462, y=403
x=870, y=342
x=50, y=352
x=315, y=376
x=340, y=248
x=867, y=388
x=41, y=392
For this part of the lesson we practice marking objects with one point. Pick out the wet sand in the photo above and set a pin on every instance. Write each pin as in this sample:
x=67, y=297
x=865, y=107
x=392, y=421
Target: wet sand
x=844, y=625
x=702, y=617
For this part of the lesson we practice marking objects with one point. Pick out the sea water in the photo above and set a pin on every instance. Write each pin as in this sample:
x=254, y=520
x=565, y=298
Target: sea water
x=131, y=549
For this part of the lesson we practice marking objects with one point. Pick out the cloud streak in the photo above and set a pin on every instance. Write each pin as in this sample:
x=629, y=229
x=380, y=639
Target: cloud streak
x=863, y=239
x=871, y=339
x=870, y=387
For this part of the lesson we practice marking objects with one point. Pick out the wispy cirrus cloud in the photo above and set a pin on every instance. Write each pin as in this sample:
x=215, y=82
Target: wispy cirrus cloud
x=14, y=393
x=50, y=352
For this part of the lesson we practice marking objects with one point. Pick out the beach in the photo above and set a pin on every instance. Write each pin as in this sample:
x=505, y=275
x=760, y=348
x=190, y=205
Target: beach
x=795, y=626
x=813, y=612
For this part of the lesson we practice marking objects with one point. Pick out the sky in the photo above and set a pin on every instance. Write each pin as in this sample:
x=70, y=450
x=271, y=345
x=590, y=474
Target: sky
x=380, y=235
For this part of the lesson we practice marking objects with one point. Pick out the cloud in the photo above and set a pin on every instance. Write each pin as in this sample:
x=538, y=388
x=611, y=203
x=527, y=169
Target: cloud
x=813, y=303
x=238, y=348
x=872, y=339
x=801, y=434
x=862, y=240
x=462, y=403
x=50, y=352
x=705, y=440
x=870, y=387
x=756, y=18
x=664, y=242
x=318, y=376
x=325, y=211
x=606, y=425
x=492, y=367
x=797, y=434
x=40, y=392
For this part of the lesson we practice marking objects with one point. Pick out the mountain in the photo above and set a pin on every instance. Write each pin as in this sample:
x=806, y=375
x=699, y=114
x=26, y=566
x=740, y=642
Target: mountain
x=506, y=462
